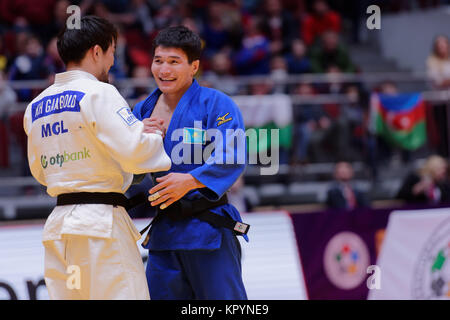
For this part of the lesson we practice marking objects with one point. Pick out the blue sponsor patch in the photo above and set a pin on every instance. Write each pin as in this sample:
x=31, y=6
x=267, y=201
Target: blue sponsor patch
x=127, y=116
x=61, y=102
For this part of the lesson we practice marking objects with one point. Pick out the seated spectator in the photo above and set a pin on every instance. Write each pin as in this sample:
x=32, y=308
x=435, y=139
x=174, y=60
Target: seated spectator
x=141, y=91
x=3, y=56
x=279, y=73
x=37, y=14
x=334, y=83
x=52, y=61
x=312, y=123
x=321, y=19
x=165, y=16
x=438, y=63
x=388, y=87
x=7, y=99
x=254, y=54
x=296, y=59
x=438, y=70
x=427, y=185
x=353, y=124
x=29, y=66
x=279, y=26
x=124, y=60
x=214, y=33
x=330, y=53
x=342, y=194
x=219, y=74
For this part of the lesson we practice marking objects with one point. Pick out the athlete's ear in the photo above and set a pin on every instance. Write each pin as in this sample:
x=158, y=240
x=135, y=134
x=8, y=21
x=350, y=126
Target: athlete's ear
x=96, y=50
x=195, y=67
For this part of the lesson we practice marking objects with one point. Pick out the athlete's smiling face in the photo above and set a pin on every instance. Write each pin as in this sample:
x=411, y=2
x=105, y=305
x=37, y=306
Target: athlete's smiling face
x=172, y=71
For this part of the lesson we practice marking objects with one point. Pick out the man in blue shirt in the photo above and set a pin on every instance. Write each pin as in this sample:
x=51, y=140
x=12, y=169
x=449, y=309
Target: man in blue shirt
x=193, y=249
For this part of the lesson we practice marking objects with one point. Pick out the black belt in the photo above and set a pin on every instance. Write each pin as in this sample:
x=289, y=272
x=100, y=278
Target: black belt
x=200, y=209
x=112, y=198
x=181, y=209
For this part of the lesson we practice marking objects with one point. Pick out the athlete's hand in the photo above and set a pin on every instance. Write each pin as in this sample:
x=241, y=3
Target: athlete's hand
x=171, y=188
x=154, y=125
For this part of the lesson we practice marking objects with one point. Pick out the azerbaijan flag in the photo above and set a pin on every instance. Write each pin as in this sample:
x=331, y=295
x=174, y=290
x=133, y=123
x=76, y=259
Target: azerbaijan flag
x=400, y=119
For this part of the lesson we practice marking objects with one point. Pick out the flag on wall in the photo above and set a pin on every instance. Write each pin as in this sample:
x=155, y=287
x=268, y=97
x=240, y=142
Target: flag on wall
x=400, y=119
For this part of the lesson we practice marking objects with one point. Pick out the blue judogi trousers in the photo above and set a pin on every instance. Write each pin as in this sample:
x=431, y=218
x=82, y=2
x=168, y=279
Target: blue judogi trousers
x=197, y=274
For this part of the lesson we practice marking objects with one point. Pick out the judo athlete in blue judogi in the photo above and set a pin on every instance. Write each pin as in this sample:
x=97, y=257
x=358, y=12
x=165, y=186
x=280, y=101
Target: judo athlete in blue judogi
x=190, y=255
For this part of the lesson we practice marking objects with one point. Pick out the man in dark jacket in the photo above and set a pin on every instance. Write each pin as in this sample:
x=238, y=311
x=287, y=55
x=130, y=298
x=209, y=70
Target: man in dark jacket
x=342, y=194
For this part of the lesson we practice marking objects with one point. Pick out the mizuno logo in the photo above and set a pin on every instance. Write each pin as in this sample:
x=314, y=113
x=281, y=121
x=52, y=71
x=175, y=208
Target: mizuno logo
x=222, y=119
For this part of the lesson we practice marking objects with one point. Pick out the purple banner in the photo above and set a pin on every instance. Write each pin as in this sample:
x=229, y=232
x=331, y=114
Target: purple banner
x=336, y=247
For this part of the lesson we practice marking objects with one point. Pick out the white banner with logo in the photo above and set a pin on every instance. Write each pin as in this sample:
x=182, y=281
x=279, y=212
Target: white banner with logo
x=270, y=261
x=414, y=260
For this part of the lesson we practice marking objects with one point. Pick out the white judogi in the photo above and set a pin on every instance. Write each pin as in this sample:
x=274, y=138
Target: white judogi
x=82, y=137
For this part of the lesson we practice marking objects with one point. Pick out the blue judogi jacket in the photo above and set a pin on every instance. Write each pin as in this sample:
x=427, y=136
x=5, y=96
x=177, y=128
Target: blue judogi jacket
x=205, y=121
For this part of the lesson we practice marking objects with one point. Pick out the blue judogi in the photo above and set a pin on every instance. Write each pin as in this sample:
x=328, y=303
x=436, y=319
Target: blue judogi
x=191, y=259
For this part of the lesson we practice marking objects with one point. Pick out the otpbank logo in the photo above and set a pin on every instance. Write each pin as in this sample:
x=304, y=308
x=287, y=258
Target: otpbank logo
x=60, y=158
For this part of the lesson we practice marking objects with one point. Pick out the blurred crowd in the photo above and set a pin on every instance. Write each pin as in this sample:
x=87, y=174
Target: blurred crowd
x=426, y=184
x=270, y=38
x=253, y=37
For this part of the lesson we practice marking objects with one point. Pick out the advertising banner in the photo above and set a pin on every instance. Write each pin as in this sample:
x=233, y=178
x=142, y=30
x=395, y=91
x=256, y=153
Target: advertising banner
x=415, y=258
x=336, y=250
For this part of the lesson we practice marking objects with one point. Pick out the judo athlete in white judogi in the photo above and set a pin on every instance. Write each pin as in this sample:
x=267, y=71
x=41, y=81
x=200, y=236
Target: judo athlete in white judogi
x=82, y=137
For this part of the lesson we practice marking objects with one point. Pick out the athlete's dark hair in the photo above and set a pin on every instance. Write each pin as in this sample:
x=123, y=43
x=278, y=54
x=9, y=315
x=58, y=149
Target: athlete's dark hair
x=182, y=38
x=74, y=43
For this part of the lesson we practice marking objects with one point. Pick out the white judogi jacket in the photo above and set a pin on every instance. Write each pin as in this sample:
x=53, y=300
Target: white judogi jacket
x=82, y=137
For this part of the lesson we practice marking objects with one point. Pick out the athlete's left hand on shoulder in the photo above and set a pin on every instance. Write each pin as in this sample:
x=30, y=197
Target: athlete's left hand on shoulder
x=171, y=188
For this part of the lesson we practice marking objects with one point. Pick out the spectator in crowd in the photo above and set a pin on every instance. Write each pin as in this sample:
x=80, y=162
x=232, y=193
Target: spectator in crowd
x=354, y=115
x=35, y=14
x=7, y=100
x=122, y=61
x=429, y=184
x=313, y=125
x=143, y=73
x=388, y=87
x=342, y=193
x=254, y=55
x=279, y=26
x=438, y=63
x=219, y=74
x=279, y=73
x=438, y=70
x=58, y=20
x=3, y=56
x=379, y=149
x=296, y=59
x=321, y=19
x=29, y=66
x=52, y=61
x=165, y=16
x=7, y=97
x=214, y=33
x=330, y=53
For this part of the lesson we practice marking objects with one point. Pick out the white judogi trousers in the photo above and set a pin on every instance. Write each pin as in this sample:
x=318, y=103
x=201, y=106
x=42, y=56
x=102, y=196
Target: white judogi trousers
x=109, y=268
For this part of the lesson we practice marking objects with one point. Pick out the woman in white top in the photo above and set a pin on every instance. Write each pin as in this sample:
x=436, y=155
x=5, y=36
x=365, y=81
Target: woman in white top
x=438, y=63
